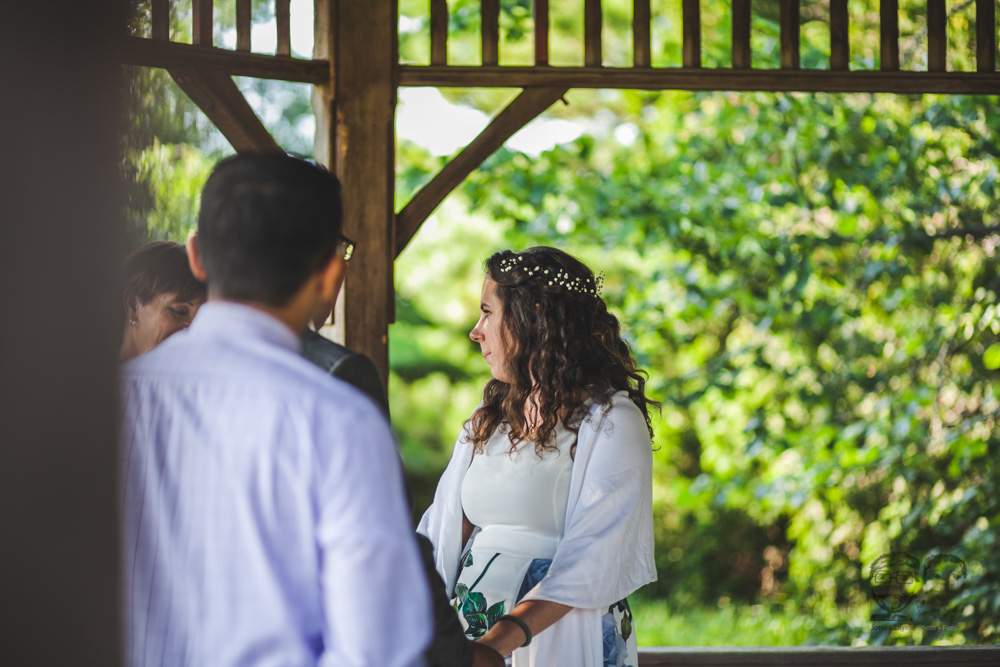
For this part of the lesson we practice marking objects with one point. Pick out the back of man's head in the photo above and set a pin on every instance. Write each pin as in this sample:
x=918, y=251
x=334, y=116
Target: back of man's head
x=268, y=221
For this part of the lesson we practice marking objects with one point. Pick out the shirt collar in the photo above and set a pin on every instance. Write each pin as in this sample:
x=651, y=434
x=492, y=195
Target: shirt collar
x=237, y=319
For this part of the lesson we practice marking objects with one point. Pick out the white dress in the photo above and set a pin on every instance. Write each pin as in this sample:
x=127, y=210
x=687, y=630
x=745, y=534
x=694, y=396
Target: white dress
x=603, y=542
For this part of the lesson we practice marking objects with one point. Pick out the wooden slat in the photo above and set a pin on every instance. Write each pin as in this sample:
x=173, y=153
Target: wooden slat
x=691, y=19
x=217, y=96
x=889, y=28
x=592, y=18
x=439, y=32
x=986, y=36
x=937, y=40
x=641, y=18
x=243, y=25
x=821, y=656
x=741, y=34
x=282, y=18
x=790, y=34
x=515, y=115
x=491, y=31
x=161, y=19
x=201, y=26
x=662, y=78
x=540, y=14
x=840, y=46
x=153, y=53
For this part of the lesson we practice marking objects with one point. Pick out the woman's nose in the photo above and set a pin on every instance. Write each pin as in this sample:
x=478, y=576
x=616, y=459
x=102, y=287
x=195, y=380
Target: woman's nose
x=475, y=334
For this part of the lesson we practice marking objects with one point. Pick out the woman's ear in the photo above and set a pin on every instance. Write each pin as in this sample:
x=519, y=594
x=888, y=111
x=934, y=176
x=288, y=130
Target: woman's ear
x=194, y=258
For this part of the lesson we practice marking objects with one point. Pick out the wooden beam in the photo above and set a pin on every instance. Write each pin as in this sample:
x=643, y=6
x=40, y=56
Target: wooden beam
x=840, y=46
x=282, y=20
x=515, y=115
x=439, y=32
x=821, y=656
x=937, y=36
x=161, y=19
x=217, y=96
x=790, y=34
x=201, y=22
x=155, y=53
x=540, y=14
x=490, y=31
x=889, y=29
x=365, y=84
x=662, y=78
x=641, y=22
x=741, y=35
x=592, y=19
x=986, y=36
x=691, y=20
x=243, y=25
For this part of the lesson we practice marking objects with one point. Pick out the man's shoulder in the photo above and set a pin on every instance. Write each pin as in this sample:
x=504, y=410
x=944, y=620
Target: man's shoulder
x=322, y=351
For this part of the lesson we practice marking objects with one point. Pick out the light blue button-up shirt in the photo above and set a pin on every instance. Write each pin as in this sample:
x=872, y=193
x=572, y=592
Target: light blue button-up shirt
x=264, y=520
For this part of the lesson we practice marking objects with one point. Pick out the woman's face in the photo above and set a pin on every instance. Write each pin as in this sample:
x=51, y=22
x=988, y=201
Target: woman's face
x=488, y=332
x=155, y=321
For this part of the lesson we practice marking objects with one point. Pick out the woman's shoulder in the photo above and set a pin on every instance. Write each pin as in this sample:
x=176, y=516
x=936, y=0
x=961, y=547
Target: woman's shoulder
x=617, y=407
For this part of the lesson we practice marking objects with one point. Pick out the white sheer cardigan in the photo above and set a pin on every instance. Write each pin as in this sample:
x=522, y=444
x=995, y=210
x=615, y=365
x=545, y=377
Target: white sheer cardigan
x=606, y=551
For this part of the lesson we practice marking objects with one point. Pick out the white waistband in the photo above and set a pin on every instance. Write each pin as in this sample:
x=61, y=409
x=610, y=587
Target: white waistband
x=516, y=540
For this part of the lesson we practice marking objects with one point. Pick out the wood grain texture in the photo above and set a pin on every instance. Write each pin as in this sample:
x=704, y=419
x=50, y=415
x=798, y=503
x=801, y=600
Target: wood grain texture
x=514, y=116
x=641, y=21
x=592, y=20
x=282, y=20
x=656, y=78
x=986, y=36
x=790, y=20
x=491, y=31
x=161, y=19
x=154, y=53
x=840, y=46
x=691, y=22
x=889, y=30
x=540, y=14
x=439, y=32
x=937, y=36
x=216, y=94
x=741, y=34
x=201, y=22
x=243, y=25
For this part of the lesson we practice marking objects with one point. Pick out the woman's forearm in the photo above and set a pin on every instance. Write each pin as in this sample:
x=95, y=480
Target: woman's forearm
x=505, y=636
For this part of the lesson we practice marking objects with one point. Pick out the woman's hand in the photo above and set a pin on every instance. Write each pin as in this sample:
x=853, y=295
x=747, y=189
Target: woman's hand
x=505, y=636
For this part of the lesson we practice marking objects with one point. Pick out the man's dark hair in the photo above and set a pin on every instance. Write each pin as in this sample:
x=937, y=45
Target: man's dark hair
x=268, y=221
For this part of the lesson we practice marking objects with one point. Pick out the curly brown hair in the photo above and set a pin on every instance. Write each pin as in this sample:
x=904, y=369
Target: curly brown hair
x=561, y=343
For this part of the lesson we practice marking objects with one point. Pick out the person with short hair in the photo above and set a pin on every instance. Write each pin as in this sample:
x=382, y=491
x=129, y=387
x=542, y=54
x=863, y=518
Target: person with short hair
x=264, y=519
x=542, y=522
x=160, y=296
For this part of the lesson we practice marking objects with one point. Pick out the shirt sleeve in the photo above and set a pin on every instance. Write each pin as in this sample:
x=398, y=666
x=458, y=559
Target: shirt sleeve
x=376, y=600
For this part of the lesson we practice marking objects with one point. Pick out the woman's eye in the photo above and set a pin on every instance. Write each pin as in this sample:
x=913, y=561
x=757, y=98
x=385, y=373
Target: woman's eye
x=179, y=312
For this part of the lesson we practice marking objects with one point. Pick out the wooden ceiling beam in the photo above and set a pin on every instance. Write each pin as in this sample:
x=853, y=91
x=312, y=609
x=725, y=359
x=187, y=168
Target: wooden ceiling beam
x=515, y=115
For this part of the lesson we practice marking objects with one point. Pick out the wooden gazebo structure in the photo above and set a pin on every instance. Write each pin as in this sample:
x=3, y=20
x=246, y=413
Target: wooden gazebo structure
x=356, y=73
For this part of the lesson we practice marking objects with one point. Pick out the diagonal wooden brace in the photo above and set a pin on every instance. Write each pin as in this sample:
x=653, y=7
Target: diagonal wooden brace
x=517, y=114
x=217, y=96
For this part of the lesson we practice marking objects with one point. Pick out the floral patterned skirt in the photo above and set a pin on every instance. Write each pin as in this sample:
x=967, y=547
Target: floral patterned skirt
x=490, y=584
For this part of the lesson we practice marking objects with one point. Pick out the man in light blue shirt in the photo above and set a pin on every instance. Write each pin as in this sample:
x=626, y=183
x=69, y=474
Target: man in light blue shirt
x=264, y=520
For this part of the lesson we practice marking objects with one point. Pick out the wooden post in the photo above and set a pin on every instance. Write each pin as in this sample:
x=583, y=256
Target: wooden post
x=540, y=14
x=358, y=140
x=741, y=34
x=490, y=30
x=439, y=32
x=592, y=18
x=790, y=34
x=641, y=18
x=840, y=47
x=986, y=36
x=161, y=19
x=282, y=19
x=937, y=41
x=243, y=25
x=889, y=28
x=691, y=19
x=201, y=23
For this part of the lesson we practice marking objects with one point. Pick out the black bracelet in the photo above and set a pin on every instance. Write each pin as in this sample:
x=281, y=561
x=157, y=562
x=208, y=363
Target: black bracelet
x=524, y=626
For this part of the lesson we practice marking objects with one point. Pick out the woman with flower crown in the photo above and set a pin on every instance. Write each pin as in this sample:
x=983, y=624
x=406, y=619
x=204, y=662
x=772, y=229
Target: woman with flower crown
x=542, y=522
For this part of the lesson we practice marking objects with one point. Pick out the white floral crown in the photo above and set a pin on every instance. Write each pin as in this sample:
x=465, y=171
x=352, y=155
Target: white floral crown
x=560, y=278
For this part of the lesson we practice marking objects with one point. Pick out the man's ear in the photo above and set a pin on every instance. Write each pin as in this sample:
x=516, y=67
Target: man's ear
x=332, y=278
x=194, y=258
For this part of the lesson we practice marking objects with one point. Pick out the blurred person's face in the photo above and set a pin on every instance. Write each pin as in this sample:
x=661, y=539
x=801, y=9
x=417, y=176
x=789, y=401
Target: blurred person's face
x=152, y=323
x=488, y=332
